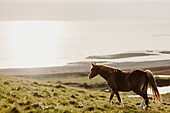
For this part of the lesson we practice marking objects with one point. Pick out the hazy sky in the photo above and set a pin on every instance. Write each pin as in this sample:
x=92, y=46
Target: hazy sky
x=85, y=10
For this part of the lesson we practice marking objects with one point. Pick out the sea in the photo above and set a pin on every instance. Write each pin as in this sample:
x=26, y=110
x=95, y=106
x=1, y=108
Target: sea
x=37, y=43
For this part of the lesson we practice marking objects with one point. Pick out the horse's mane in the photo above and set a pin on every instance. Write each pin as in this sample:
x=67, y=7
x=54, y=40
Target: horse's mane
x=109, y=69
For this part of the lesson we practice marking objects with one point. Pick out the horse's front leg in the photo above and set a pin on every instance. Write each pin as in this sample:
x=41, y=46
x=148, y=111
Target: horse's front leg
x=117, y=94
x=111, y=97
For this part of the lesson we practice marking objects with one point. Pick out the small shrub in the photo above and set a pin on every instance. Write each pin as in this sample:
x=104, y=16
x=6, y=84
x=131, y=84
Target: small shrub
x=28, y=103
x=73, y=102
x=27, y=108
x=60, y=86
x=100, y=108
x=37, y=95
x=36, y=105
x=72, y=96
x=91, y=96
x=137, y=103
x=90, y=108
x=77, y=94
x=49, y=107
x=81, y=91
x=5, y=106
x=8, y=93
x=6, y=82
x=35, y=83
x=19, y=88
x=63, y=90
x=106, y=106
x=102, y=96
x=63, y=102
x=55, y=94
x=21, y=103
x=11, y=101
x=67, y=111
x=161, y=108
x=80, y=106
x=48, y=94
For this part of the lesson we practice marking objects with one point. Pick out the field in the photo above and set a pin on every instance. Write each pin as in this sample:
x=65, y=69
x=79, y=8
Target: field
x=22, y=95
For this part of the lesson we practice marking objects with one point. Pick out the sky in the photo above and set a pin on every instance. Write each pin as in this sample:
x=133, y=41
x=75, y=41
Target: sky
x=158, y=10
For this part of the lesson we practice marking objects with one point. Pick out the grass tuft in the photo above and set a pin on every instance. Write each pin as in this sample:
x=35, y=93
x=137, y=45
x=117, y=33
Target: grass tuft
x=13, y=110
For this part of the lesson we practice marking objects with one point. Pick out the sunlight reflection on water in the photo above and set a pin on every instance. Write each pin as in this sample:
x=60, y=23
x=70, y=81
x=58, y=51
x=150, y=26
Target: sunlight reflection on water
x=33, y=44
x=53, y=43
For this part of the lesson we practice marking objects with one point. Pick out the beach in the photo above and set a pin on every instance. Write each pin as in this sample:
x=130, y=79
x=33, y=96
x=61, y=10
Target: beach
x=82, y=68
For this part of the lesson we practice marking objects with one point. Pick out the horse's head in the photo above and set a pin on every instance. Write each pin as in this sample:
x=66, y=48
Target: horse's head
x=94, y=71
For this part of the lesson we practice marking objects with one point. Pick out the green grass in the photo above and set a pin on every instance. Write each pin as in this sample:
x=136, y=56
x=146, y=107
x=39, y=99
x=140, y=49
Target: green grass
x=83, y=82
x=20, y=95
x=80, y=80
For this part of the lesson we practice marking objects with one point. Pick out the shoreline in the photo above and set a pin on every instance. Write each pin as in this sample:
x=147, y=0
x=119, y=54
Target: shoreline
x=161, y=67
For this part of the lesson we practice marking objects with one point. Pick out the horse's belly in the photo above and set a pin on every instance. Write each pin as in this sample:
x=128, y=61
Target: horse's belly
x=124, y=87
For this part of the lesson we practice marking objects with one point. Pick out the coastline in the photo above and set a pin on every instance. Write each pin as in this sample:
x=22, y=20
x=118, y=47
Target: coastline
x=82, y=68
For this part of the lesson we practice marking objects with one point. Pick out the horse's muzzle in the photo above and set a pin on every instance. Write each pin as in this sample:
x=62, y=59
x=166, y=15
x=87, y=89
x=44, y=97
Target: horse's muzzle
x=89, y=77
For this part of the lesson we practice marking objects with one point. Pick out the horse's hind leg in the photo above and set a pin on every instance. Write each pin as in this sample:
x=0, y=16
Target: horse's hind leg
x=144, y=89
x=145, y=97
x=111, y=97
x=142, y=104
x=146, y=100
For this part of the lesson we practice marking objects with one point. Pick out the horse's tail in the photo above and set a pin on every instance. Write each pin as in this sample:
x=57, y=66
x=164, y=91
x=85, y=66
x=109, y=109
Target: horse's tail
x=153, y=86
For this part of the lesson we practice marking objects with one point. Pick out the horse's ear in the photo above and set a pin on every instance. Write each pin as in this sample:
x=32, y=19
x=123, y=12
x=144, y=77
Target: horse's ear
x=93, y=64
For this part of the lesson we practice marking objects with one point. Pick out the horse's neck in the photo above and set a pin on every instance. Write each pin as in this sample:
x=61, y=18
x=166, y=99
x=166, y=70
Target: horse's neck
x=105, y=74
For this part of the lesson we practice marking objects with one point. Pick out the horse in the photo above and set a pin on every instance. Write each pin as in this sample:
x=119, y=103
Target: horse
x=137, y=81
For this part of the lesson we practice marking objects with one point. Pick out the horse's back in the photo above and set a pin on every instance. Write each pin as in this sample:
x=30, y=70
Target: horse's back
x=137, y=78
x=137, y=74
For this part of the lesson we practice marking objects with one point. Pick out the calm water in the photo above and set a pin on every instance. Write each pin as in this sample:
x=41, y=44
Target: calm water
x=53, y=43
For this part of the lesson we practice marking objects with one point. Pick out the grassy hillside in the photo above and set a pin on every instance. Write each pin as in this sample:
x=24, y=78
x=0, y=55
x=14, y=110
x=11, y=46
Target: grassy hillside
x=21, y=95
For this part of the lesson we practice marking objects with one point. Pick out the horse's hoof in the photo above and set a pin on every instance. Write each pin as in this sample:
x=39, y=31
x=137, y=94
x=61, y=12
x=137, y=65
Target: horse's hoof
x=122, y=105
x=146, y=108
x=141, y=107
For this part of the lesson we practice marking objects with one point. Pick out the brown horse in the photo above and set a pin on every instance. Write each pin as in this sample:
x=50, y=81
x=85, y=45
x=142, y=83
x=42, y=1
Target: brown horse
x=135, y=80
